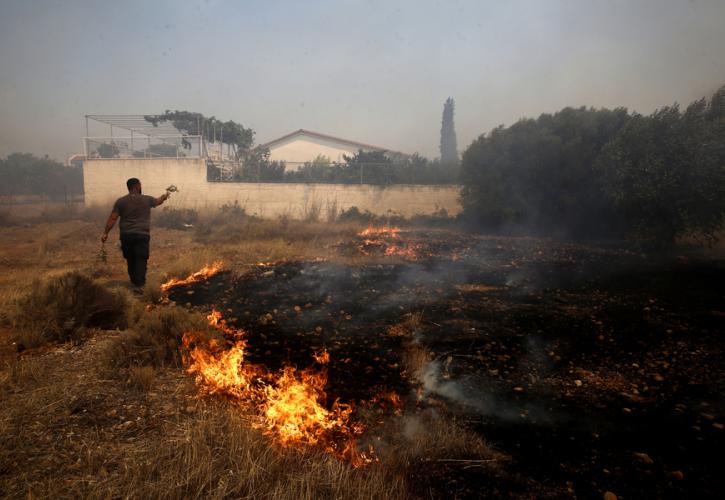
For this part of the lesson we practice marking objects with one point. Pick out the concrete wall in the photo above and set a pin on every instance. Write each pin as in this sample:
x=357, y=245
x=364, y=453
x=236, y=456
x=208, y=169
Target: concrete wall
x=105, y=181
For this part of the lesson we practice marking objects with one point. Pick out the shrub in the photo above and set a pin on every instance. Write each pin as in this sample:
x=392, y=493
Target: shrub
x=154, y=340
x=58, y=309
x=176, y=218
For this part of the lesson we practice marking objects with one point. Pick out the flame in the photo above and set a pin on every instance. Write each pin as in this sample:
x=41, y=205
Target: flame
x=391, y=232
x=386, y=240
x=204, y=273
x=322, y=357
x=291, y=404
x=410, y=252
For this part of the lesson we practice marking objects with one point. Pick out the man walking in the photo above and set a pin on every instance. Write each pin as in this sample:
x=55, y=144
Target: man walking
x=135, y=228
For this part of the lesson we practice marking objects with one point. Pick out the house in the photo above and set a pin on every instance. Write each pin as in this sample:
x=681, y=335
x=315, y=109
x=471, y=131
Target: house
x=75, y=160
x=305, y=146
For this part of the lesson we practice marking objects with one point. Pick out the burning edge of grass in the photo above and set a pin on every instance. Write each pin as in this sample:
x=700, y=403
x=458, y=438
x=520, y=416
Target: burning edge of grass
x=290, y=403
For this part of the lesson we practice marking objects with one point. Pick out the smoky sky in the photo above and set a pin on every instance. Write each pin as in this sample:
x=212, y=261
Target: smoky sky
x=371, y=71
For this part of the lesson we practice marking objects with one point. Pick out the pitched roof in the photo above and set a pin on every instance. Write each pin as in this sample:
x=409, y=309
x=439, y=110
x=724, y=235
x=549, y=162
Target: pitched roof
x=302, y=131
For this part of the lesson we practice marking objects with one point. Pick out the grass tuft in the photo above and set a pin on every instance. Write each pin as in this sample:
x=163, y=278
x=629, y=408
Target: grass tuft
x=60, y=309
x=154, y=340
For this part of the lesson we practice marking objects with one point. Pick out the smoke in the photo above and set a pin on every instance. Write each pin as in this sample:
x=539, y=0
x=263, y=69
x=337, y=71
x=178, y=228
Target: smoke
x=478, y=394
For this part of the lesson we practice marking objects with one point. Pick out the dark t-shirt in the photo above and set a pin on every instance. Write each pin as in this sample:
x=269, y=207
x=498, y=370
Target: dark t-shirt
x=135, y=212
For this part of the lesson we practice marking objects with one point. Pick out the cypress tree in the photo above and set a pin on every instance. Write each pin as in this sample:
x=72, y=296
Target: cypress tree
x=449, y=146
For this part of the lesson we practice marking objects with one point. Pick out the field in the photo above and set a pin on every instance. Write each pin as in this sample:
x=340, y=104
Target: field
x=427, y=362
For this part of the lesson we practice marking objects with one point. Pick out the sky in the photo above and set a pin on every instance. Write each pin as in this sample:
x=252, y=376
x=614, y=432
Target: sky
x=372, y=71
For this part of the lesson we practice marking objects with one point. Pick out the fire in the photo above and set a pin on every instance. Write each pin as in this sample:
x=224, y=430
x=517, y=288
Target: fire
x=386, y=241
x=204, y=273
x=322, y=357
x=390, y=232
x=410, y=252
x=291, y=403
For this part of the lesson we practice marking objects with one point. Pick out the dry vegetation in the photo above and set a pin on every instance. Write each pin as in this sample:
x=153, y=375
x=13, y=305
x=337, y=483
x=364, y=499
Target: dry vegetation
x=94, y=402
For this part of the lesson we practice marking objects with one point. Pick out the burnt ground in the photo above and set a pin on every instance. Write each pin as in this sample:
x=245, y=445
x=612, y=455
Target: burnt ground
x=594, y=369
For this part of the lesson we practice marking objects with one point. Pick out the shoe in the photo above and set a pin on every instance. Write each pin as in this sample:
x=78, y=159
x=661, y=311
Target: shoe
x=138, y=290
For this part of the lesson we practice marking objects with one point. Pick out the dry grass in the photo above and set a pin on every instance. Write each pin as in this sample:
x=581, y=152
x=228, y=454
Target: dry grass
x=60, y=309
x=428, y=437
x=153, y=341
x=216, y=455
x=141, y=377
x=115, y=417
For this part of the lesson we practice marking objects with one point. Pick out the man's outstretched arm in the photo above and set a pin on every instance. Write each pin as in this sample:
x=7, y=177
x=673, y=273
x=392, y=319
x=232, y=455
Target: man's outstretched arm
x=161, y=199
x=109, y=225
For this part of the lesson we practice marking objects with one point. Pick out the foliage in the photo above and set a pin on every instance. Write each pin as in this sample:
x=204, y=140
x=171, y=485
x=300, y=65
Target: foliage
x=210, y=128
x=108, y=150
x=666, y=171
x=603, y=173
x=256, y=167
x=163, y=150
x=539, y=176
x=376, y=168
x=448, y=145
x=26, y=174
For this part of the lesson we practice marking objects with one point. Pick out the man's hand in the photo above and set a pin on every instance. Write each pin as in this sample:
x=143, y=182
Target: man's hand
x=109, y=225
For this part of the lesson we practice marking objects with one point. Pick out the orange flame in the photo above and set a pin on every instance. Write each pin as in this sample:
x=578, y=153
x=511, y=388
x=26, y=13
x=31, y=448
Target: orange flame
x=204, y=273
x=291, y=403
x=380, y=240
x=391, y=232
x=322, y=357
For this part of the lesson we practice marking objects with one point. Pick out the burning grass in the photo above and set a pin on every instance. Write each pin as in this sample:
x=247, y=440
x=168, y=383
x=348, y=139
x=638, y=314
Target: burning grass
x=290, y=402
x=574, y=361
x=202, y=274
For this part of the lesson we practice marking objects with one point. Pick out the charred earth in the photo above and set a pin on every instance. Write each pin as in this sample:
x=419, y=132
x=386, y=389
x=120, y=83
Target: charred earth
x=592, y=369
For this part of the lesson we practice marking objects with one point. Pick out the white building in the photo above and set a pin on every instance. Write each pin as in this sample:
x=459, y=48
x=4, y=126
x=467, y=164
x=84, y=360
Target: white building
x=305, y=146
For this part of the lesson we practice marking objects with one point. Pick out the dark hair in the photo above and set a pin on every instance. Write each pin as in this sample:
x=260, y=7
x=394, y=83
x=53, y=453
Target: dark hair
x=132, y=182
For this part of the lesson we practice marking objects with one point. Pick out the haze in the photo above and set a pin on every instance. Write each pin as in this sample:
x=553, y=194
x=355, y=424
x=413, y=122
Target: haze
x=371, y=71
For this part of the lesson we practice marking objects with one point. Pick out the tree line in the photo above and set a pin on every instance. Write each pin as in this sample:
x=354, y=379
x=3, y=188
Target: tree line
x=368, y=167
x=599, y=173
x=27, y=174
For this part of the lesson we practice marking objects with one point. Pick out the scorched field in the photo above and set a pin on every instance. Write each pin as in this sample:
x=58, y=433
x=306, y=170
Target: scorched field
x=385, y=362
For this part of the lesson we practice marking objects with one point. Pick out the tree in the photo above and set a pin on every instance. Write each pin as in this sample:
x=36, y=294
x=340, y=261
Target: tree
x=448, y=146
x=211, y=129
x=161, y=150
x=538, y=175
x=255, y=166
x=24, y=173
x=108, y=150
x=666, y=172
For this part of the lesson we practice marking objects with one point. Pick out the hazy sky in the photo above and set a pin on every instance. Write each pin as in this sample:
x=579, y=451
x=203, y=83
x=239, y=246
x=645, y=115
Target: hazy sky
x=372, y=71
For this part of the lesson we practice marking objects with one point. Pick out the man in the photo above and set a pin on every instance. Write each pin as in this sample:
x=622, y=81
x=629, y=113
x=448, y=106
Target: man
x=135, y=228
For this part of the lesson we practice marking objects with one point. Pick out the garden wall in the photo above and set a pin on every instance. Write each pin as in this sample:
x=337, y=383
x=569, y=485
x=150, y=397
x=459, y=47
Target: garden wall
x=105, y=181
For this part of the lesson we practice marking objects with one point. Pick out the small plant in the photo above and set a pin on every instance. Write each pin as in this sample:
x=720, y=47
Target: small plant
x=102, y=256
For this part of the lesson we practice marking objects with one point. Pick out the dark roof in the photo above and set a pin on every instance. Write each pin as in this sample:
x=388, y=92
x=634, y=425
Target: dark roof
x=302, y=131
